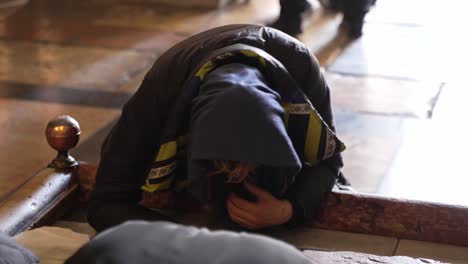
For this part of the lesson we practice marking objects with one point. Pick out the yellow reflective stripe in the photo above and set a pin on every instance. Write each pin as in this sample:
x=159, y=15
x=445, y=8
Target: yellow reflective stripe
x=286, y=106
x=286, y=113
x=342, y=146
x=167, y=151
x=209, y=66
x=206, y=68
x=253, y=54
x=162, y=186
x=312, y=143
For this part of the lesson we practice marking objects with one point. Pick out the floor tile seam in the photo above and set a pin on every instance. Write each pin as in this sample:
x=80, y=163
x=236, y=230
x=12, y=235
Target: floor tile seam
x=376, y=22
x=381, y=76
x=64, y=95
x=66, y=44
x=406, y=116
x=396, y=246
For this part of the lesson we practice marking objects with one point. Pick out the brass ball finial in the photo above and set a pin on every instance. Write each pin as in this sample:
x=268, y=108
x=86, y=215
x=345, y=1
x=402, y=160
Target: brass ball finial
x=63, y=133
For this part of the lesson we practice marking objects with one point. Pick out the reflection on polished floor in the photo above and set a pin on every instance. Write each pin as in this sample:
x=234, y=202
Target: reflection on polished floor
x=396, y=92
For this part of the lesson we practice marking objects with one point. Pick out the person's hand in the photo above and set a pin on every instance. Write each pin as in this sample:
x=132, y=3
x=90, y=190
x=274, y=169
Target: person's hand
x=266, y=211
x=158, y=200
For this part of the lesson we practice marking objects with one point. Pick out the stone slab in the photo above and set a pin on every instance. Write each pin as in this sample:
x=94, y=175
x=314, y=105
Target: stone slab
x=446, y=253
x=87, y=68
x=367, y=160
x=64, y=95
x=189, y=21
x=78, y=227
x=403, y=12
x=192, y=3
x=383, y=96
x=392, y=51
x=372, y=142
x=428, y=166
x=310, y=238
x=53, y=245
x=89, y=34
x=343, y=257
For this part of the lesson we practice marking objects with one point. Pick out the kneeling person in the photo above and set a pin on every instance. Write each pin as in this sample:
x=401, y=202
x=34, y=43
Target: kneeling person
x=239, y=117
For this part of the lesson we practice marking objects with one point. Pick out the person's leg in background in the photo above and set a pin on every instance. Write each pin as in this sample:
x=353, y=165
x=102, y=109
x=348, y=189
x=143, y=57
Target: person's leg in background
x=290, y=18
x=354, y=12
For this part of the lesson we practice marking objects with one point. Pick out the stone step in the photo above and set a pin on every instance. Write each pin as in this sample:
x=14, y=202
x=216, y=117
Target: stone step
x=343, y=257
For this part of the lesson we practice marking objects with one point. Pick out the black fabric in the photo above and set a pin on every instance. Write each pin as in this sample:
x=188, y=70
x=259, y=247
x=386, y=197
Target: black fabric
x=162, y=242
x=13, y=253
x=293, y=7
x=129, y=149
x=304, y=201
x=105, y=214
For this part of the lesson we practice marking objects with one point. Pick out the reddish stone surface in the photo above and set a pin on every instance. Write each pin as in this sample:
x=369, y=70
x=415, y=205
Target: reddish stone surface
x=399, y=218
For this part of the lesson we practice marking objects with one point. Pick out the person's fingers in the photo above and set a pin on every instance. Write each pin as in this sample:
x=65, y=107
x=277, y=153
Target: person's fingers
x=243, y=222
x=157, y=197
x=241, y=203
x=239, y=212
x=257, y=191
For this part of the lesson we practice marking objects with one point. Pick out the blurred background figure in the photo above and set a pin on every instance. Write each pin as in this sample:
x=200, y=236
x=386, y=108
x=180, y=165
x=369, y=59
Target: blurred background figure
x=354, y=11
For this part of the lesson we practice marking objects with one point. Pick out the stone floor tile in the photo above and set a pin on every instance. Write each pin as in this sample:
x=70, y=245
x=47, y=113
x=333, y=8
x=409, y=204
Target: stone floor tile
x=24, y=149
x=87, y=68
x=63, y=95
x=403, y=12
x=53, y=245
x=90, y=34
x=367, y=160
x=129, y=38
x=392, y=51
x=341, y=257
x=82, y=228
x=372, y=142
x=383, y=96
x=7, y=11
x=367, y=125
x=308, y=238
x=151, y=16
x=441, y=252
x=452, y=107
x=428, y=166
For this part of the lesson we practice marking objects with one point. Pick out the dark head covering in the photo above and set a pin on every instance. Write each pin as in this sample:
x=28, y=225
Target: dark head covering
x=238, y=117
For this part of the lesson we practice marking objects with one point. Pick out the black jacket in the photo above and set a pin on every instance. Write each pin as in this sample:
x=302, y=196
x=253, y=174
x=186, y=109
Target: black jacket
x=129, y=149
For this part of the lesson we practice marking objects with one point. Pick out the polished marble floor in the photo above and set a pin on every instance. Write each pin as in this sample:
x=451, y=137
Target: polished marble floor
x=398, y=91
